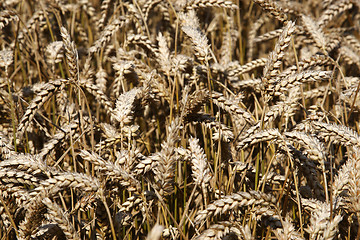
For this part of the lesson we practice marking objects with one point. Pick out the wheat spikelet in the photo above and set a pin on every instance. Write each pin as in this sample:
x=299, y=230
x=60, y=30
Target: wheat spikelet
x=275, y=58
x=297, y=78
x=143, y=42
x=123, y=69
x=4, y=218
x=26, y=162
x=6, y=149
x=341, y=180
x=164, y=54
x=65, y=180
x=190, y=26
x=43, y=96
x=353, y=42
x=268, y=36
x=130, y=203
x=15, y=193
x=221, y=131
x=334, y=41
x=286, y=107
x=350, y=56
x=253, y=84
x=201, y=171
x=166, y=159
x=105, y=35
x=333, y=10
x=86, y=202
x=241, y=69
x=148, y=6
x=252, y=34
x=48, y=231
x=180, y=63
x=262, y=136
x=8, y=175
x=126, y=215
x=7, y=16
x=337, y=133
x=326, y=3
x=194, y=4
x=315, y=31
x=306, y=64
x=113, y=137
x=314, y=149
x=347, y=182
x=124, y=105
x=287, y=231
x=61, y=218
x=270, y=177
x=216, y=231
x=194, y=102
x=171, y=232
x=105, y=10
x=137, y=17
x=318, y=92
x=274, y=9
x=158, y=87
x=57, y=138
x=30, y=24
x=293, y=7
x=112, y=170
x=347, y=95
x=101, y=81
x=35, y=211
x=227, y=44
x=54, y=52
x=310, y=171
x=99, y=95
x=231, y=106
x=71, y=55
x=234, y=201
x=321, y=225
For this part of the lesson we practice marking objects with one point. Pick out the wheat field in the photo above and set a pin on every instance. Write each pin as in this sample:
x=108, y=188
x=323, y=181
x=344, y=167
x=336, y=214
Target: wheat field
x=188, y=119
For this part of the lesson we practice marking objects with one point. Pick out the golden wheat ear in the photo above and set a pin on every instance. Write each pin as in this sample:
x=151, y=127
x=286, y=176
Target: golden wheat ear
x=45, y=93
x=235, y=201
x=71, y=55
x=61, y=218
